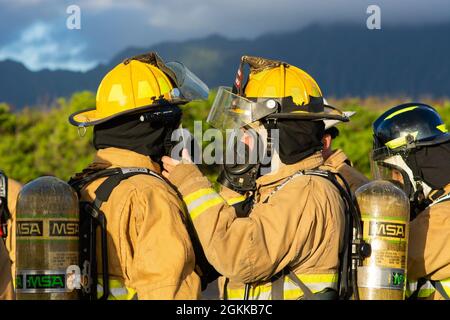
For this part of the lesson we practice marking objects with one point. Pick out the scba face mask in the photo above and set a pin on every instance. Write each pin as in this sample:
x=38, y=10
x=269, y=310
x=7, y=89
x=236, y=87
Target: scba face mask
x=396, y=170
x=247, y=158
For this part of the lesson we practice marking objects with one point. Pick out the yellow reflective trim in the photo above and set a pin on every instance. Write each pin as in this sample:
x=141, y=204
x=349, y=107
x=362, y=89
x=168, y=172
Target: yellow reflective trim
x=293, y=294
x=396, y=113
x=443, y=128
x=401, y=141
x=117, y=290
x=410, y=288
x=316, y=278
x=144, y=90
x=164, y=86
x=235, y=200
x=424, y=293
x=205, y=206
x=197, y=194
x=254, y=293
x=116, y=94
x=264, y=291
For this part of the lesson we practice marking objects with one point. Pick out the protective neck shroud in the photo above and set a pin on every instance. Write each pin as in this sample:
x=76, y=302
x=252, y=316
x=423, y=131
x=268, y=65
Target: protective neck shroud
x=431, y=164
x=150, y=138
x=299, y=139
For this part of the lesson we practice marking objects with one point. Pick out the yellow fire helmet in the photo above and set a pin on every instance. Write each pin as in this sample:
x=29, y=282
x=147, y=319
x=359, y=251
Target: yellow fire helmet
x=140, y=83
x=274, y=89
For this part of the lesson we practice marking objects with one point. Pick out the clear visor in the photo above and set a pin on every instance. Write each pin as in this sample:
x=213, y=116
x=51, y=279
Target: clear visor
x=230, y=111
x=190, y=87
x=387, y=166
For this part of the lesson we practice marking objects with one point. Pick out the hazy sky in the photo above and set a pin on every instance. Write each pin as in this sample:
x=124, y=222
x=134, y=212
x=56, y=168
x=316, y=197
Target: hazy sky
x=35, y=33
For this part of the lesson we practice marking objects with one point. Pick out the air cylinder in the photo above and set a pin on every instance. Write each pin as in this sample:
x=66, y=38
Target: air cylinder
x=46, y=240
x=385, y=213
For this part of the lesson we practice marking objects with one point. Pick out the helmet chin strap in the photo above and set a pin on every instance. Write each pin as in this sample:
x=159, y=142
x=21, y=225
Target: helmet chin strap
x=270, y=162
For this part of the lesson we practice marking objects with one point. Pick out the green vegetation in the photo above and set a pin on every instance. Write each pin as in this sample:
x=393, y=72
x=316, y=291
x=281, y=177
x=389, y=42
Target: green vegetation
x=40, y=141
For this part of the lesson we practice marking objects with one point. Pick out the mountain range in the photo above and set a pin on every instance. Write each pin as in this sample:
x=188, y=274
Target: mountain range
x=345, y=59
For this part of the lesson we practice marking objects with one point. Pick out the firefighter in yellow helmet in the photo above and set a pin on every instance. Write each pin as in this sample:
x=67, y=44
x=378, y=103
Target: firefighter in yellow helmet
x=9, y=189
x=149, y=250
x=287, y=246
x=337, y=160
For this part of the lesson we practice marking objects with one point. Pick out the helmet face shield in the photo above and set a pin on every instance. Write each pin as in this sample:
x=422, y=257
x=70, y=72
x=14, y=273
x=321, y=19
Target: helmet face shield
x=189, y=85
x=391, y=173
x=392, y=168
x=231, y=111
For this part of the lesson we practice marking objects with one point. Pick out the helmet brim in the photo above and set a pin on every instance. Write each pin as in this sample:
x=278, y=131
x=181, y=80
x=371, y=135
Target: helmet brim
x=308, y=116
x=329, y=113
x=89, y=117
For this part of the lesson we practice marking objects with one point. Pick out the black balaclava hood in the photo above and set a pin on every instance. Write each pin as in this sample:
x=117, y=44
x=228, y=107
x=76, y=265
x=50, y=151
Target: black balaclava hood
x=129, y=132
x=299, y=139
x=433, y=163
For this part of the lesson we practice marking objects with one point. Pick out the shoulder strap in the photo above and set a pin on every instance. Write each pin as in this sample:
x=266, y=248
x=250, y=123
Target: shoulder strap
x=282, y=185
x=4, y=211
x=105, y=189
x=441, y=199
x=278, y=285
x=307, y=293
x=440, y=288
x=415, y=293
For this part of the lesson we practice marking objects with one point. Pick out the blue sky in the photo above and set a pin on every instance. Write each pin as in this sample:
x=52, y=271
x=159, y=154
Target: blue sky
x=34, y=32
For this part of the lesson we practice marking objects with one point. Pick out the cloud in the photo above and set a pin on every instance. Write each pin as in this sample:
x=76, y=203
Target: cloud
x=37, y=34
x=39, y=47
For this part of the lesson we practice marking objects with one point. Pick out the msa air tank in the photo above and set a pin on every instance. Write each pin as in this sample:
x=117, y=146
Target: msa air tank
x=384, y=211
x=46, y=240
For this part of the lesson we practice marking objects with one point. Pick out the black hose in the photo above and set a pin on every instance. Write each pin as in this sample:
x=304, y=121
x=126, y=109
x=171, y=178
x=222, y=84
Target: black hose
x=105, y=270
x=355, y=284
x=246, y=291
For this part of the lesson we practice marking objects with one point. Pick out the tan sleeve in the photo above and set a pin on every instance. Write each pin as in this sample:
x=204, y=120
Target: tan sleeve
x=163, y=261
x=428, y=244
x=353, y=177
x=6, y=286
x=230, y=196
x=247, y=249
x=13, y=192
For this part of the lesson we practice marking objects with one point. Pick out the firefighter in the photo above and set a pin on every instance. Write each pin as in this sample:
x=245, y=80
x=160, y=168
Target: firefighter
x=337, y=160
x=412, y=149
x=8, y=243
x=288, y=245
x=150, y=252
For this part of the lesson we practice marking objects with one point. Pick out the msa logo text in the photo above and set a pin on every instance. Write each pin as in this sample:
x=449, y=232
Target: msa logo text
x=41, y=281
x=387, y=229
x=63, y=228
x=30, y=229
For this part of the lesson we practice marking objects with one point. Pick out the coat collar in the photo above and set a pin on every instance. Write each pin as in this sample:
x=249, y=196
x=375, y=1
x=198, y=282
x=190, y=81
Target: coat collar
x=311, y=162
x=337, y=158
x=115, y=157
